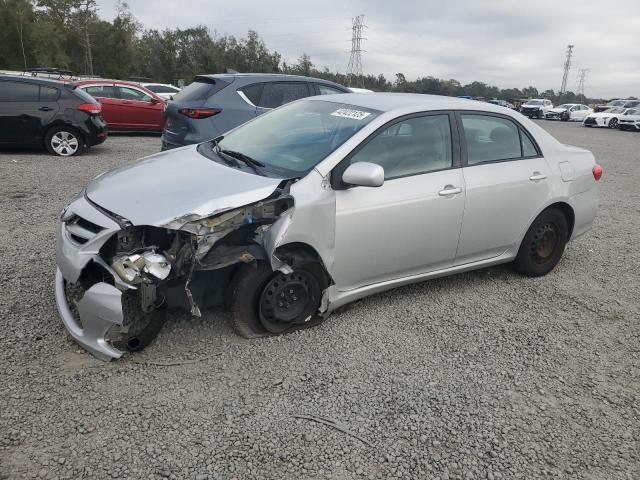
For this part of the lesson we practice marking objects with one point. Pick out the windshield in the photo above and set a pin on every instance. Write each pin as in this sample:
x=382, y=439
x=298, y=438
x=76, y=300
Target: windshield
x=616, y=103
x=291, y=140
x=614, y=110
x=535, y=102
x=566, y=106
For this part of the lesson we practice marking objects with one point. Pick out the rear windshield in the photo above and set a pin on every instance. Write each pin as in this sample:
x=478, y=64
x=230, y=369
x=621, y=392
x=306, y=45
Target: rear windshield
x=199, y=90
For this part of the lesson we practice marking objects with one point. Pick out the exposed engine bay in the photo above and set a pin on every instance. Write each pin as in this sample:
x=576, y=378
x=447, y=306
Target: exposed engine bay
x=178, y=264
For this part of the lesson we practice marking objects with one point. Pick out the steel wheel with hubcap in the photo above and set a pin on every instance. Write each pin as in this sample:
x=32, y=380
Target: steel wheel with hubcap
x=64, y=141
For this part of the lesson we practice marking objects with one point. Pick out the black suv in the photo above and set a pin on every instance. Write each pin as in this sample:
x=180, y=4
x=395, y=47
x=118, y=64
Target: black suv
x=37, y=111
x=214, y=104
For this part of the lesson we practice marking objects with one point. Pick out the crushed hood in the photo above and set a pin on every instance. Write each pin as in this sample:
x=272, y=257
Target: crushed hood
x=163, y=187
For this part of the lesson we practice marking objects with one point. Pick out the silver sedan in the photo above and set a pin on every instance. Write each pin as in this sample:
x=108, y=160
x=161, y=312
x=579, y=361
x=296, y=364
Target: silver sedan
x=311, y=206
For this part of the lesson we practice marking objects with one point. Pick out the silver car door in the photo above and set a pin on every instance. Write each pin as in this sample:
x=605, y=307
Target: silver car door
x=506, y=182
x=411, y=224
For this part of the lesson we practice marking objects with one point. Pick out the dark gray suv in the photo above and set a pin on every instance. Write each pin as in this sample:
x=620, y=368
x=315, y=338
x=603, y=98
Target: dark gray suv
x=214, y=104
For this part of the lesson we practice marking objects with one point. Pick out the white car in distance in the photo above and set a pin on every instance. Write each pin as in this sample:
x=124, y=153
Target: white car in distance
x=609, y=117
x=163, y=90
x=536, y=108
x=630, y=120
x=568, y=112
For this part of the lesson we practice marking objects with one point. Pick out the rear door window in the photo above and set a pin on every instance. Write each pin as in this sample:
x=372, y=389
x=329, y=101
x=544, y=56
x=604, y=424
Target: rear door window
x=19, y=92
x=278, y=93
x=491, y=139
x=101, y=91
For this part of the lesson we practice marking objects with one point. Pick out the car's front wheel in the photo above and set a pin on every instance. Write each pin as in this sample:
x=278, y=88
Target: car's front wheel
x=141, y=327
x=613, y=123
x=543, y=244
x=64, y=141
x=263, y=302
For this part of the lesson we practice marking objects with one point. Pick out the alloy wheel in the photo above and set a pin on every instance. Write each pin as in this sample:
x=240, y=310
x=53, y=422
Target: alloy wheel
x=64, y=143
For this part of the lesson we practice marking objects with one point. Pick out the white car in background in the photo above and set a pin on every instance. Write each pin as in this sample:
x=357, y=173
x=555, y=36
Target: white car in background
x=568, y=111
x=536, y=108
x=608, y=118
x=630, y=120
x=163, y=90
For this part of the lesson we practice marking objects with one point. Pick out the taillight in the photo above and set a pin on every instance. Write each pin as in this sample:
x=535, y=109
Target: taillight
x=199, y=112
x=90, y=108
x=597, y=172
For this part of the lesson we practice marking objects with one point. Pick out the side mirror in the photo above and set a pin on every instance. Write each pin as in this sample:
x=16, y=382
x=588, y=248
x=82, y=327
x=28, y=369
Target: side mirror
x=154, y=100
x=364, y=174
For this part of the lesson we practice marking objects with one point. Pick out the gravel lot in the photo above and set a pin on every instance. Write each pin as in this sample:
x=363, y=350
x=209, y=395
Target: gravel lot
x=481, y=375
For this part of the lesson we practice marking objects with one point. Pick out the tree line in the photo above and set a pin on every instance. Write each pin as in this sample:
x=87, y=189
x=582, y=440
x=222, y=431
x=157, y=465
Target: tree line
x=69, y=34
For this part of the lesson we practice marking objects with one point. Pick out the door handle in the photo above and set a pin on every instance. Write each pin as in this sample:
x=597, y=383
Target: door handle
x=537, y=176
x=449, y=190
x=45, y=109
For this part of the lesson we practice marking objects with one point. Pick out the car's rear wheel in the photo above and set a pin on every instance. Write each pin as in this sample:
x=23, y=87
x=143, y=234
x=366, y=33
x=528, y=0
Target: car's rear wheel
x=613, y=123
x=64, y=141
x=543, y=244
x=263, y=302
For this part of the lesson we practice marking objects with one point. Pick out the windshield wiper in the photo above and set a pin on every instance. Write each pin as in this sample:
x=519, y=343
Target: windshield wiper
x=244, y=158
x=228, y=159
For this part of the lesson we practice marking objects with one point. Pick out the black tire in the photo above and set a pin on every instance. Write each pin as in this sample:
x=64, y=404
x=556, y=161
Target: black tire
x=64, y=141
x=613, y=123
x=144, y=327
x=565, y=117
x=543, y=244
x=254, y=293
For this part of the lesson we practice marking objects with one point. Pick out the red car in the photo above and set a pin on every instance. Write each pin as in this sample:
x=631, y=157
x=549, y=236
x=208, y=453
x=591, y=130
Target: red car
x=126, y=105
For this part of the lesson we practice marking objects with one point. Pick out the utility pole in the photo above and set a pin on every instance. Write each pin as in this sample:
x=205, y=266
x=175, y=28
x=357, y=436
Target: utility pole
x=582, y=76
x=355, y=60
x=567, y=66
x=87, y=9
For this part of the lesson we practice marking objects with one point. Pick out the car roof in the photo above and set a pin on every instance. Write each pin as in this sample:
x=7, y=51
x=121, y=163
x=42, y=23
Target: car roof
x=387, y=102
x=267, y=77
x=84, y=81
x=36, y=80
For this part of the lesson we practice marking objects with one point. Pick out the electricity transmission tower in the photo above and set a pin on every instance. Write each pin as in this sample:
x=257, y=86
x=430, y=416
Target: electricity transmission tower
x=354, y=69
x=582, y=76
x=567, y=66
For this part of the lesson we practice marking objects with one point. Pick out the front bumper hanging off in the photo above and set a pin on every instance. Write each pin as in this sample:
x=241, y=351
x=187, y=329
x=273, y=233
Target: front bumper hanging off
x=100, y=309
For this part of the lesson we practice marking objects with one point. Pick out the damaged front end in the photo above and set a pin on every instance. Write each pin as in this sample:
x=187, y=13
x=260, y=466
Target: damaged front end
x=115, y=281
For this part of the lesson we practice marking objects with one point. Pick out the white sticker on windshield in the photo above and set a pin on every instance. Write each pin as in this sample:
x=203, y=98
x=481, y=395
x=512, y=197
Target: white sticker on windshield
x=349, y=113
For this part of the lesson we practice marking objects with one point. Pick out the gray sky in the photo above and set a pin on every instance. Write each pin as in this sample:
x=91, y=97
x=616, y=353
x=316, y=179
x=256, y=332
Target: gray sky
x=508, y=43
